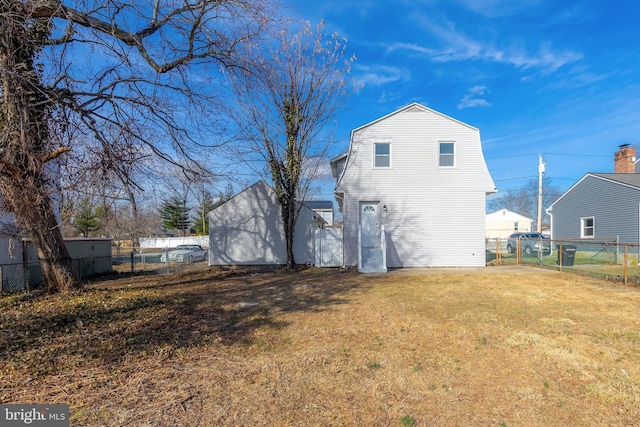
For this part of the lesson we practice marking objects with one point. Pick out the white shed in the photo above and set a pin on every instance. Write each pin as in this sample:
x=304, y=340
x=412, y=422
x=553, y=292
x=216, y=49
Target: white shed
x=248, y=229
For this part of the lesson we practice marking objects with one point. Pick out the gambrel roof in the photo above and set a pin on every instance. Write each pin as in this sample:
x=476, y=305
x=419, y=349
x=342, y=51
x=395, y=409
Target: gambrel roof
x=413, y=106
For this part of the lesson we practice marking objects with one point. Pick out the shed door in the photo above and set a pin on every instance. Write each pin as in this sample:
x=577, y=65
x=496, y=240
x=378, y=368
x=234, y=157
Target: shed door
x=369, y=223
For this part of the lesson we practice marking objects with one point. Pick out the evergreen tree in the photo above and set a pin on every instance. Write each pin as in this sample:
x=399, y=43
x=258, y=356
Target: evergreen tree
x=175, y=215
x=86, y=219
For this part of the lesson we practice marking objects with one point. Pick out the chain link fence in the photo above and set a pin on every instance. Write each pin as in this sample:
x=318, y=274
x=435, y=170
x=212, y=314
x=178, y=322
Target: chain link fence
x=607, y=259
x=14, y=277
x=159, y=260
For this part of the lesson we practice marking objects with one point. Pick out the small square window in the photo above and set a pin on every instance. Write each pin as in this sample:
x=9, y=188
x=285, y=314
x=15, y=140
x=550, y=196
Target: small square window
x=446, y=154
x=381, y=155
x=587, y=227
x=515, y=226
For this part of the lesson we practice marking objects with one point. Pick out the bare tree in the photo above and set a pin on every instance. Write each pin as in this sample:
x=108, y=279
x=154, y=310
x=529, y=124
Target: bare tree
x=524, y=200
x=87, y=64
x=298, y=85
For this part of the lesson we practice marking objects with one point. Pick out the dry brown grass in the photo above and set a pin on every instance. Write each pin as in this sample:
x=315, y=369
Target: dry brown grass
x=503, y=346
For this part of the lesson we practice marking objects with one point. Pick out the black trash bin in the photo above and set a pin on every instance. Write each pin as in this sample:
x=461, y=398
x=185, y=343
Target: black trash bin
x=568, y=254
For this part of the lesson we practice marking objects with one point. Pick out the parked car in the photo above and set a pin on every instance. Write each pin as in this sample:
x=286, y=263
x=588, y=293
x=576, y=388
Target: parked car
x=529, y=243
x=185, y=253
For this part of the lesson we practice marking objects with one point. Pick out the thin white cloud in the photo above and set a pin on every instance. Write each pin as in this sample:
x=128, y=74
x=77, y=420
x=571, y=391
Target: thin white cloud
x=495, y=8
x=378, y=75
x=471, y=99
x=387, y=97
x=456, y=46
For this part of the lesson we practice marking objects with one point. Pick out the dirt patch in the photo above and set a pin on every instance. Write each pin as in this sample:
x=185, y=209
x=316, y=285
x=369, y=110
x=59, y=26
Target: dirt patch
x=324, y=347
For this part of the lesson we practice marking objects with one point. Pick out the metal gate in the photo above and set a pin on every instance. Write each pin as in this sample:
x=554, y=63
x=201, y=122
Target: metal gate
x=328, y=247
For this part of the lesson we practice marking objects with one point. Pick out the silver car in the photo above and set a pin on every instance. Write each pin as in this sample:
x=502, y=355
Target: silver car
x=185, y=253
x=529, y=243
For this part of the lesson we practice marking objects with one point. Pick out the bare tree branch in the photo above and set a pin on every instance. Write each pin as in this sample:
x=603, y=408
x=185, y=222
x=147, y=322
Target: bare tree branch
x=284, y=107
x=86, y=67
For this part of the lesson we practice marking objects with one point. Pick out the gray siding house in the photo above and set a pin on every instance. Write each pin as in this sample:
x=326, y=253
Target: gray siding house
x=600, y=206
x=247, y=229
x=412, y=191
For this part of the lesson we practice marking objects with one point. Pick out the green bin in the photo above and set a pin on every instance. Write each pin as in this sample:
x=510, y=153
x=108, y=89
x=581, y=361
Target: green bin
x=567, y=253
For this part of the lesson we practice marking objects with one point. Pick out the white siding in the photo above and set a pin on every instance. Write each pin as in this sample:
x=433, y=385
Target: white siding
x=501, y=224
x=435, y=216
x=248, y=230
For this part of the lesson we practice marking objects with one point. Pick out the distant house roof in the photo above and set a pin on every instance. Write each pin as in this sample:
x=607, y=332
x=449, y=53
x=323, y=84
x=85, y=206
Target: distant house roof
x=624, y=179
x=632, y=179
x=318, y=204
x=506, y=213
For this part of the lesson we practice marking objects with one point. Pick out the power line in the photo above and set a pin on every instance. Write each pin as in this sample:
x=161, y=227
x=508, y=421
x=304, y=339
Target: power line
x=548, y=154
x=513, y=179
x=513, y=155
x=576, y=155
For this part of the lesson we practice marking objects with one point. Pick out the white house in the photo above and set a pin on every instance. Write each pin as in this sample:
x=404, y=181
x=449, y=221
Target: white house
x=412, y=190
x=248, y=229
x=501, y=223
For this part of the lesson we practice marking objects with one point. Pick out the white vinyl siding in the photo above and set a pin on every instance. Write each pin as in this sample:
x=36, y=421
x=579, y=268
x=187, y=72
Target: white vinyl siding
x=587, y=227
x=447, y=154
x=248, y=230
x=425, y=203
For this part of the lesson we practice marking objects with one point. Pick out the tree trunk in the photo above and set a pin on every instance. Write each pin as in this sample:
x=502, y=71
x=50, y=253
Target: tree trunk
x=32, y=206
x=135, y=240
x=54, y=259
x=288, y=209
x=24, y=148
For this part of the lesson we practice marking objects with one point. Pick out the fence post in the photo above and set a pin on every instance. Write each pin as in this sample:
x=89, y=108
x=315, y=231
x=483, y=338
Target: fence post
x=166, y=257
x=626, y=265
x=132, y=260
x=560, y=256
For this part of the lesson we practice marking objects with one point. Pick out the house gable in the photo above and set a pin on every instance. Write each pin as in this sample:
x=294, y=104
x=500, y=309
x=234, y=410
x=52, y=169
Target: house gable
x=433, y=213
x=612, y=200
x=501, y=223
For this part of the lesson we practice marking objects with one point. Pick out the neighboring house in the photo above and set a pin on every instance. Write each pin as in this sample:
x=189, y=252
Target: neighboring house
x=502, y=223
x=247, y=229
x=420, y=176
x=601, y=206
x=324, y=208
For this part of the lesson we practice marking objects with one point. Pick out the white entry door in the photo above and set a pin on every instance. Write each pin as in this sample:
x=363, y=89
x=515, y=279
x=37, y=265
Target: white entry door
x=369, y=223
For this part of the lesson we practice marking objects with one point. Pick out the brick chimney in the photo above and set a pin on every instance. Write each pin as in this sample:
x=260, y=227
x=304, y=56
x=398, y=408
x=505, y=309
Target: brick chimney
x=624, y=159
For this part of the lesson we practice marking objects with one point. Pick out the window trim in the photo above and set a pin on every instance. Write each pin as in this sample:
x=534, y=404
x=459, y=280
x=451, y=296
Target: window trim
x=583, y=227
x=453, y=155
x=375, y=156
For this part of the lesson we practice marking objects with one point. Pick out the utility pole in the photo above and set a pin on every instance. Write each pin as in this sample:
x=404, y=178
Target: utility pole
x=541, y=166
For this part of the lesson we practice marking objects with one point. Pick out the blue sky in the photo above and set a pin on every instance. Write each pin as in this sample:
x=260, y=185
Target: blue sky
x=559, y=79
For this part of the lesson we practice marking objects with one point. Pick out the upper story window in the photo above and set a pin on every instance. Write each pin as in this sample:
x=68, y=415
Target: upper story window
x=515, y=226
x=446, y=155
x=381, y=155
x=587, y=227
